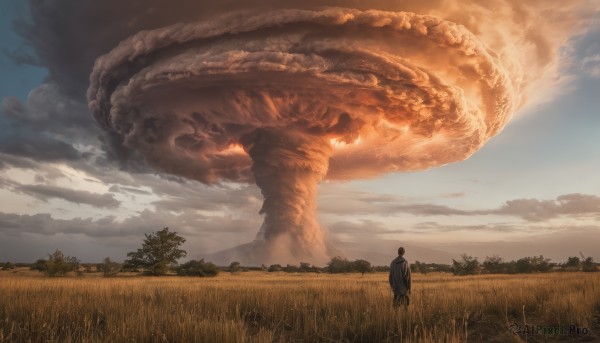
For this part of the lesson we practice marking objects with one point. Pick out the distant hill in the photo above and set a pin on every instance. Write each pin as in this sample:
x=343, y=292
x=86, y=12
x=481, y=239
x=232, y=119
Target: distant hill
x=250, y=254
x=388, y=252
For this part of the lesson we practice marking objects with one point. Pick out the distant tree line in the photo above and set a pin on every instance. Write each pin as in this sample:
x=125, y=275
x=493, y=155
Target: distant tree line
x=424, y=268
x=7, y=266
x=337, y=264
x=161, y=250
x=157, y=256
x=469, y=265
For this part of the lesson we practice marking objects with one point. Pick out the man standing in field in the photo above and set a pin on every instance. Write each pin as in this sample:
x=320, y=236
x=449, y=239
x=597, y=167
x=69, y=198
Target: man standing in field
x=400, y=280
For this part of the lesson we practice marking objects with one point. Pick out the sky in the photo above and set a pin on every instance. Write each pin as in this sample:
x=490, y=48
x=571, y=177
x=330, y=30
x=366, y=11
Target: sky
x=531, y=189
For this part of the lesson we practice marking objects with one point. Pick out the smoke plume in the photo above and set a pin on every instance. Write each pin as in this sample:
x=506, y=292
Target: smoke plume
x=288, y=93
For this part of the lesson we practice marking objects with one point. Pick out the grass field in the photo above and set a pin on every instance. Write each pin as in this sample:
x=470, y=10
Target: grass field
x=280, y=307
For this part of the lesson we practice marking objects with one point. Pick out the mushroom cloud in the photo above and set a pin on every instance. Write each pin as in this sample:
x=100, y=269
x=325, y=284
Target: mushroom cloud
x=288, y=93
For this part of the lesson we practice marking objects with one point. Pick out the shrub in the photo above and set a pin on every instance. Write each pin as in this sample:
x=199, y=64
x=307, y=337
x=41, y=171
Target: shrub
x=588, y=265
x=494, y=264
x=524, y=265
x=573, y=263
x=291, y=269
x=274, y=268
x=533, y=264
x=308, y=268
x=381, y=268
x=8, y=266
x=419, y=267
x=234, y=267
x=58, y=264
x=39, y=265
x=109, y=267
x=198, y=268
x=467, y=266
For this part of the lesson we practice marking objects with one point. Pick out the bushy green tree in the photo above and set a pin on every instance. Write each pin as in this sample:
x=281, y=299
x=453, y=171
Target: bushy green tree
x=234, y=267
x=494, y=264
x=59, y=264
x=509, y=267
x=524, y=265
x=588, y=265
x=533, y=264
x=109, y=267
x=541, y=264
x=468, y=265
x=362, y=266
x=339, y=265
x=198, y=268
x=573, y=262
x=159, y=250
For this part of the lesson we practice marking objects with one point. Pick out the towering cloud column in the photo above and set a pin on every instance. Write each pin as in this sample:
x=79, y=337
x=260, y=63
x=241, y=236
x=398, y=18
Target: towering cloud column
x=287, y=166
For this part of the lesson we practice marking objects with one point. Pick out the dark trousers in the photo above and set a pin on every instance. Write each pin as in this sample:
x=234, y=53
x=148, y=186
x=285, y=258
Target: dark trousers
x=400, y=299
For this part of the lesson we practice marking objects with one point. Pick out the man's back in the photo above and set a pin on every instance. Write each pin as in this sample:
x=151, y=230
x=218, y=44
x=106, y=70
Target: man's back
x=400, y=279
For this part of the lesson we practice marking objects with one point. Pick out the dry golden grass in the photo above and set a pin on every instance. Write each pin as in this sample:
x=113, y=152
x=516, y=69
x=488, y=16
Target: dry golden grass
x=274, y=307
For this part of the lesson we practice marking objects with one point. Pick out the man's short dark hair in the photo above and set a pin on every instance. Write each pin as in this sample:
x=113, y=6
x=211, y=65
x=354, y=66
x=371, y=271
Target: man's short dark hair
x=401, y=251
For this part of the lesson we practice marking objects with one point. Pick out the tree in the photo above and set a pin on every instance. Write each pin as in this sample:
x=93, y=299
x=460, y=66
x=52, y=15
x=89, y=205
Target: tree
x=362, y=266
x=419, y=267
x=159, y=250
x=573, y=262
x=493, y=264
x=274, y=268
x=109, y=267
x=305, y=267
x=291, y=269
x=467, y=266
x=524, y=265
x=198, y=268
x=39, y=265
x=541, y=264
x=58, y=264
x=533, y=264
x=234, y=267
x=588, y=265
x=339, y=265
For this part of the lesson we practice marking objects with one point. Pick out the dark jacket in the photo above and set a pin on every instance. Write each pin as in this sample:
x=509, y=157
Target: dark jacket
x=400, y=280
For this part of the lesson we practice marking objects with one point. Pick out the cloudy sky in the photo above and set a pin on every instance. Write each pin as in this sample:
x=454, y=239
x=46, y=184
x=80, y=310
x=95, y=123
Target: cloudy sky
x=532, y=189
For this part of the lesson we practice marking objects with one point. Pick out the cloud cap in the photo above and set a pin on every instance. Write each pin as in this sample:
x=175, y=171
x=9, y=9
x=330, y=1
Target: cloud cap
x=391, y=91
